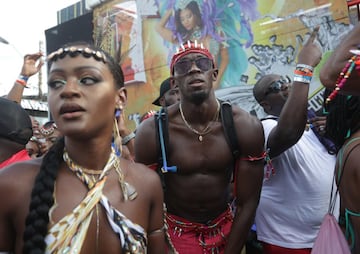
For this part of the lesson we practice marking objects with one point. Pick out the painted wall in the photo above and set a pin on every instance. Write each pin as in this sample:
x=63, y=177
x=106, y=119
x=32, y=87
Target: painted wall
x=248, y=38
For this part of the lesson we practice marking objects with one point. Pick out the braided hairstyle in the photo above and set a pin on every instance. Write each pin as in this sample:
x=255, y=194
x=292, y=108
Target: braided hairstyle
x=42, y=198
x=343, y=117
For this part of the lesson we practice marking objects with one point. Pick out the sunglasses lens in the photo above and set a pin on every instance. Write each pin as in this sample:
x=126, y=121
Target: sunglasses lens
x=204, y=64
x=183, y=67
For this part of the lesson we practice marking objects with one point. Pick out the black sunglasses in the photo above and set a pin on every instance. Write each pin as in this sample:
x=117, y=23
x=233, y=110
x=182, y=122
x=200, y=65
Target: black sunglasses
x=184, y=66
x=278, y=85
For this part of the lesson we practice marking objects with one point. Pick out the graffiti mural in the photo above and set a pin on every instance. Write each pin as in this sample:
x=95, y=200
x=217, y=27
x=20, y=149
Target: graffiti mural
x=248, y=39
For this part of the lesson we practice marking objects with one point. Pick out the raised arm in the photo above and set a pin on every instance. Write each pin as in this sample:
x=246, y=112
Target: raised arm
x=337, y=61
x=293, y=116
x=31, y=65
x=164, y=32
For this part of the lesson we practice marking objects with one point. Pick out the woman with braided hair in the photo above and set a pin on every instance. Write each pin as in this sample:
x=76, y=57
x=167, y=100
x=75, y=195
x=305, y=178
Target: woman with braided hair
x=80, y=197
x=343, y=127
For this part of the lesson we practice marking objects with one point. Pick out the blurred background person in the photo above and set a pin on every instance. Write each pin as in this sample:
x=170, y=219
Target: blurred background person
x=49, y=135
x=168, y=95
x=15, y=132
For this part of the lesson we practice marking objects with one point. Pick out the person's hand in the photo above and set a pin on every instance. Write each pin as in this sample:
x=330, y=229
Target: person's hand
x=311, y=52
x=32, y=64
x=319, y=122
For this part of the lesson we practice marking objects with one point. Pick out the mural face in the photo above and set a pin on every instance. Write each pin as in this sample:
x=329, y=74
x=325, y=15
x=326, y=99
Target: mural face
x=247, y=38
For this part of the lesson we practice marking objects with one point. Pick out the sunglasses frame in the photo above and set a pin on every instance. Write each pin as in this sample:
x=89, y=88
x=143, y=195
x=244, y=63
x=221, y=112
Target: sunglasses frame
x=276, y=86
x=192, y=61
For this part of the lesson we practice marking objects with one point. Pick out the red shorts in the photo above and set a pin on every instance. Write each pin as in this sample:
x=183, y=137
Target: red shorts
x=196, y=238
x=273, y=249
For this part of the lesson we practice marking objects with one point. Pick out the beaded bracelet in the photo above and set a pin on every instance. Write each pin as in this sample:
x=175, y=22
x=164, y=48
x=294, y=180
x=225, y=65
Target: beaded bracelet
x=343, y=76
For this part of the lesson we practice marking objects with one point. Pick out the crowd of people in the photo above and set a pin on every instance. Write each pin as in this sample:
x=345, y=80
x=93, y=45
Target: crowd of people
x=196, y=176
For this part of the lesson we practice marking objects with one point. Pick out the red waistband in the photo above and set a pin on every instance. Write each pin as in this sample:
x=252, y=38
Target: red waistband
x=179, y=222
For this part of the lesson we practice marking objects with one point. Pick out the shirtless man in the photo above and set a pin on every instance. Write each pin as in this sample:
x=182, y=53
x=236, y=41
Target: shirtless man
x=198, y=213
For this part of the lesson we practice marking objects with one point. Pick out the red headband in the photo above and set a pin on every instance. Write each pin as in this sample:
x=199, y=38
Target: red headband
x=188, y=48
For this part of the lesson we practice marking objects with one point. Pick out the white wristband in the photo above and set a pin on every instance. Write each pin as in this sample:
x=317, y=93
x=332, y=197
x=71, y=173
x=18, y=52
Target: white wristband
x=127, y=138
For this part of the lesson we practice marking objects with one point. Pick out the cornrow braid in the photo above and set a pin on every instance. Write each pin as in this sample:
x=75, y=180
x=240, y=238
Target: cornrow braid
x=42, y=200
x=343, y=117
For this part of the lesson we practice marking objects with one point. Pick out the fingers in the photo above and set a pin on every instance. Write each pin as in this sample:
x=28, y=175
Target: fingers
x=35, y=56
x=314, y=34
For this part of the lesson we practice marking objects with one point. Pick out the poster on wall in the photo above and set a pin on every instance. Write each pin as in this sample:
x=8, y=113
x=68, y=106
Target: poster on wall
x=118, y=30
x=248, y=38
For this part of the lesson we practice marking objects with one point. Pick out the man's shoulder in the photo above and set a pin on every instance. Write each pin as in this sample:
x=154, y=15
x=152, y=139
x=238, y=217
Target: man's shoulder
x=245, y=118
x=18, y=177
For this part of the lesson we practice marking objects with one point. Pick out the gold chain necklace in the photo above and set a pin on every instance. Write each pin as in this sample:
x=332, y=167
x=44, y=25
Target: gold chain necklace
x=207, y=129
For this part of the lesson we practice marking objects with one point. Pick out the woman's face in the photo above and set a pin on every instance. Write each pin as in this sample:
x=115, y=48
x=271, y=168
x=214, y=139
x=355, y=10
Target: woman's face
x=33, y=149
x=188, y=19
x=82, y=96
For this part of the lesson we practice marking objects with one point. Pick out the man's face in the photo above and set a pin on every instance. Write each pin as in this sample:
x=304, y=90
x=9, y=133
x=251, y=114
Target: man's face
x=194, y=74
x=171, y=97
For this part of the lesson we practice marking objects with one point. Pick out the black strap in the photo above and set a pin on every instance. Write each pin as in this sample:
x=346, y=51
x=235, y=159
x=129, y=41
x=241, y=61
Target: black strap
x=270, y=118
x=161, y=115
x=162, y=135
x=229, y=128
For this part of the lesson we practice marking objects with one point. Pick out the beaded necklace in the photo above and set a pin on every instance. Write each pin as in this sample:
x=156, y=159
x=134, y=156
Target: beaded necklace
x=129, y=192
x=344, y=74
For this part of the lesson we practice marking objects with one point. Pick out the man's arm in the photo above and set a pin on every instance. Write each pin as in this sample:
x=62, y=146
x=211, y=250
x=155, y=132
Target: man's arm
x=293, y=116
x=248, y=180
x=337, y=61
x=146, y=150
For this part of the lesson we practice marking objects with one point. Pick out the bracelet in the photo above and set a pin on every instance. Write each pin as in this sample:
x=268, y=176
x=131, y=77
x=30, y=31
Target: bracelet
x=302, y=73
x=23, y=77
x=305, y=66
x=22, y=80
x=127, y=138
x=303, y=79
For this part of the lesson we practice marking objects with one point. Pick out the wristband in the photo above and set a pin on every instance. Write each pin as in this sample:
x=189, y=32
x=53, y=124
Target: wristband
x=23, y=77
x=305, y=66
x=302, y=73
x=22, y=80
x=127, y=138
x=303, y=79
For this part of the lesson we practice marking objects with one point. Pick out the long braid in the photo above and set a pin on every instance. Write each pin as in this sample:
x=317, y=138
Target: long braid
x=343, y=117
x=42, y=200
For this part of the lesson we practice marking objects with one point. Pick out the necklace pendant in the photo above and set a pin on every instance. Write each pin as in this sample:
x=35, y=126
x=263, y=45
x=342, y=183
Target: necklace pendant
x=200, y=138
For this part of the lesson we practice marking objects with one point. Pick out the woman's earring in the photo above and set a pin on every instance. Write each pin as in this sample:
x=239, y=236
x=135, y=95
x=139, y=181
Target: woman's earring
x=117, y=113
x=116, y=134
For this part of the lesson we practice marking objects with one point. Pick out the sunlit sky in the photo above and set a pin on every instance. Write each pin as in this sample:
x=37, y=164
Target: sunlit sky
x=23, y=24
